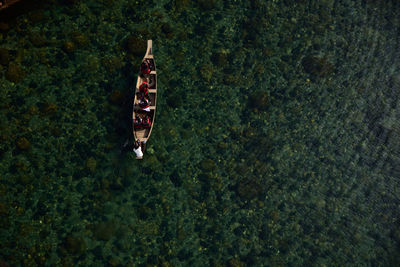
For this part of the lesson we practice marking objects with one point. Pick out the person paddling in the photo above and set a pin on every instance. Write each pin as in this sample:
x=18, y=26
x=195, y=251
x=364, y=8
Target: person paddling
x=144, y=104
x=137, y=122
x=144, y=88
x=145, y=67
x=137, y=148
x=146, y=123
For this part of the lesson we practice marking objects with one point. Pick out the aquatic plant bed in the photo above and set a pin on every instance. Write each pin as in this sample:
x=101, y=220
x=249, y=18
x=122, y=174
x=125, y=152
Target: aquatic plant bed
x=277, y=138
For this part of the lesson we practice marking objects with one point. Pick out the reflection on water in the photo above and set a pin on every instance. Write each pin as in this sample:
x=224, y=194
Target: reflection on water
x=276, y=139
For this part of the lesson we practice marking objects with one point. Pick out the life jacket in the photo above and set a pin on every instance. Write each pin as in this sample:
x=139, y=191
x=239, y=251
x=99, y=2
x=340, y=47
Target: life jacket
x=144, y=103
x=145, y=68
x=144, y=88
x=137, y=122
x=146, y=122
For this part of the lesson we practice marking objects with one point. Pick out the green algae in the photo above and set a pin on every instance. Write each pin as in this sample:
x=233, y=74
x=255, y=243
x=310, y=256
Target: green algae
x=15, y=73
x=4, y=56
x=275, y=141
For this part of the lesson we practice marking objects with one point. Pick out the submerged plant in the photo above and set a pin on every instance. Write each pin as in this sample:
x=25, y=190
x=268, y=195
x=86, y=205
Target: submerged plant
x=15, y=73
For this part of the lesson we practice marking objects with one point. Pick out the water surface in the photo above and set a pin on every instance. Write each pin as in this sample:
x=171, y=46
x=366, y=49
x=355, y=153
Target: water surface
x=276, y=141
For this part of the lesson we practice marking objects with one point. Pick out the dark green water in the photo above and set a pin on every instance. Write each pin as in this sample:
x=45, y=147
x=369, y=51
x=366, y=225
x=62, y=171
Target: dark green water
x=276, y=141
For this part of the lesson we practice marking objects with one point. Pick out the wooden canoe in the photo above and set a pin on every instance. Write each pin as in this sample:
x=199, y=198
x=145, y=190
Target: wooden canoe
x=6, y=3
x=143, y=134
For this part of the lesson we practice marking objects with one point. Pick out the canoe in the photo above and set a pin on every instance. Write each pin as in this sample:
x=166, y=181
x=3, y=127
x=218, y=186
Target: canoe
x=143, y=133
x=6, y=3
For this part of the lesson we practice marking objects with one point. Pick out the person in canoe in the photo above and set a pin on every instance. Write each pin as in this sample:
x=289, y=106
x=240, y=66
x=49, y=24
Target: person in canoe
x=145, y=67
x=144, y=88
x=137, y=148
x=146, y=122
x=137, y=122
x=144, y=104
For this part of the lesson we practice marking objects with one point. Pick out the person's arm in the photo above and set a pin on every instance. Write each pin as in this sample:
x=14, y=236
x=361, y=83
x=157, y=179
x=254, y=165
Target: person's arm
x=151, y=82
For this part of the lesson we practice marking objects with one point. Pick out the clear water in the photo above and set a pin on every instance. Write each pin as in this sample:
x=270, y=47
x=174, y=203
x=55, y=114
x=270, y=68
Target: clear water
x=276, y=141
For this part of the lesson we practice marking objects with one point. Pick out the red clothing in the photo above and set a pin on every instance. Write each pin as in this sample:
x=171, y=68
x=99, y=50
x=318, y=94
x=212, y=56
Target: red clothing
x=144, y=88
x=145, y=68
x=146, y=122
x=144, y=103
x=137, y=122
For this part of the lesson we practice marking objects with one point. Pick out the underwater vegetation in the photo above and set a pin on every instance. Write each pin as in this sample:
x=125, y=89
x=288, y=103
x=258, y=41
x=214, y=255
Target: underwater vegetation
x=136, y=46
x=317, y=66
x=15, y=73
x=275, y=141
x=4, y=56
